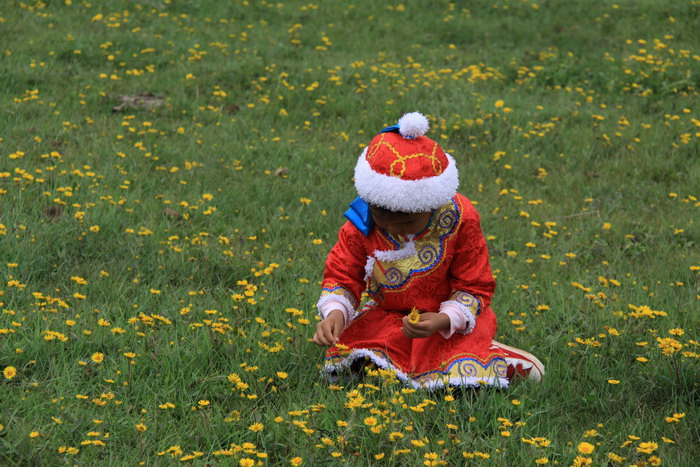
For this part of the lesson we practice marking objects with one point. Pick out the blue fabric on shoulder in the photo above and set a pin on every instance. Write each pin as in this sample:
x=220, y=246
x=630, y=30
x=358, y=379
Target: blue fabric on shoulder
x=360, y=216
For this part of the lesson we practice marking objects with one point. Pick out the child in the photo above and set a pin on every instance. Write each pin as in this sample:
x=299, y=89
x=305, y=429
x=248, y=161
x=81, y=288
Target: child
x=412, y=242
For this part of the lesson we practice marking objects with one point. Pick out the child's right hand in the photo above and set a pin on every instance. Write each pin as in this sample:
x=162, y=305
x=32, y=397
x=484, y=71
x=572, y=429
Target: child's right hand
x=329, y=329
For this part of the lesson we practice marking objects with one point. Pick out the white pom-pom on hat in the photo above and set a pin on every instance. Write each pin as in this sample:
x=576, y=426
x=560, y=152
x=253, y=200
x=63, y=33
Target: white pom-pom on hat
x=413, y=125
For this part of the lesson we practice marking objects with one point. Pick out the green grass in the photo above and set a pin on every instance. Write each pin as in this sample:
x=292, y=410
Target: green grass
x=575, y=127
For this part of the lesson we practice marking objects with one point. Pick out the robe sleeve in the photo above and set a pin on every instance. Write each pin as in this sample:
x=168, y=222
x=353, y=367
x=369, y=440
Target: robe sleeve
x=471, y=279
x=343, y=278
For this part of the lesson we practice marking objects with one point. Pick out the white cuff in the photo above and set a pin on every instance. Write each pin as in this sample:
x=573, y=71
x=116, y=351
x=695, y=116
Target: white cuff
x=462, y=320
x=335, y=302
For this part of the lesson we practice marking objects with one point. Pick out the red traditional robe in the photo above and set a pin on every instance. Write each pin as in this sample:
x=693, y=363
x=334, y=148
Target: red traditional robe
x=446, y=262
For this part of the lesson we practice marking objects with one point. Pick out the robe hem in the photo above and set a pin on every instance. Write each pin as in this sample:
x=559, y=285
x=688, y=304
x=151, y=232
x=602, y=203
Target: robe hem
x=438, y=383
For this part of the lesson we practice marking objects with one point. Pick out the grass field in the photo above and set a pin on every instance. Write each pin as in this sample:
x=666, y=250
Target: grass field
x=172, y=175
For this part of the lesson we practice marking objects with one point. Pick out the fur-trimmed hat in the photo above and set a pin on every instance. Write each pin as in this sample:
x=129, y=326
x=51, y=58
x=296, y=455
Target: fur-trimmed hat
x=403, y=170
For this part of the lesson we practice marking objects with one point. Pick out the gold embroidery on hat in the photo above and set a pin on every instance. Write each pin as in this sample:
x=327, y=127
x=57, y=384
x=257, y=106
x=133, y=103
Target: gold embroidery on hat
x=393, y=172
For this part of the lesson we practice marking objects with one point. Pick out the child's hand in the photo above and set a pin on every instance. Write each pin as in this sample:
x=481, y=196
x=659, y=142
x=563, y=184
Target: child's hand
x=329, y=329
x=428, y=324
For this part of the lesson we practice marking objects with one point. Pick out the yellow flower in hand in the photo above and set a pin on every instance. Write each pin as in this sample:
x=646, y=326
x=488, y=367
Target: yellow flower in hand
x=414, y=316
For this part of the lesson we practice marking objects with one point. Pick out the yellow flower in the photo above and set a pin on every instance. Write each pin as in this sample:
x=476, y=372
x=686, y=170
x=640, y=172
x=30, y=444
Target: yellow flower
x=34, y=434
x=296, y=461
x=647, y=448
x=585, y=448
x=98, y=357
x=256, y=427
x=499, y=103
x=9, y=372
x=141, y=427
x=414, y=316
x=668, y=345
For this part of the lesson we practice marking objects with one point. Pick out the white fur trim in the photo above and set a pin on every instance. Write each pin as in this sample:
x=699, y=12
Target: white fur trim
x=396, y=194
x=369, y=267
x=413, y=125
x=348, y=310
x=408, y=251
x=466, y=312
x=435, y=384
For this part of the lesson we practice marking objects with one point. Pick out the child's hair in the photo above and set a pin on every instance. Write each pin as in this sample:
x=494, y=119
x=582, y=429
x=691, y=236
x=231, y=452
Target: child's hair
x=389, y=214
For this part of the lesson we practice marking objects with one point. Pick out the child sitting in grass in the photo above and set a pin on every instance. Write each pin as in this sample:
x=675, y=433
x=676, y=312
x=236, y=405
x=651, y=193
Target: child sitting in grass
x=413, y=243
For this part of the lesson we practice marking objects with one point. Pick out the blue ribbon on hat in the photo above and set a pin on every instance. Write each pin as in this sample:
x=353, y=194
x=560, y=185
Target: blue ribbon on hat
x=360, y=215
x=391, y=129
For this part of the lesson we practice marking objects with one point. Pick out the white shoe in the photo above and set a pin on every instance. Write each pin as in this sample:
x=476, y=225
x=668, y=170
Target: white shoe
x=520, y=363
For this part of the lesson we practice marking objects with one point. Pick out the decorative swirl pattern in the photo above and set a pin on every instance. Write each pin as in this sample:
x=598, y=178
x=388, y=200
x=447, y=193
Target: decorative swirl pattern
x=427, y=254
x=447, y=219
x=393, y=276
x=501, y=368
x=429, y=247
x=468, y=368
x=466, y=299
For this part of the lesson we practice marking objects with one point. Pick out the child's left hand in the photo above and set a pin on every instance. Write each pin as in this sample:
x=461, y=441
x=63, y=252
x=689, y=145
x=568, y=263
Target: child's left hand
x=429, y=324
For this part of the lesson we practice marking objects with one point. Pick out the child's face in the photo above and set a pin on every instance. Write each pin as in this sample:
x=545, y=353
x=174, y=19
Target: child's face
x=402, y=223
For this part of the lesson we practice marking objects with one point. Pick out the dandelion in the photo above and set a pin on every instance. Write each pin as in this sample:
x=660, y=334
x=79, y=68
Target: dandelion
x=668, y=345
x=585, y=448
x=647, y=448
x=97, y=357
x=414, y=316
x=9, y=372
x=256, y=427
x=370, y=421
